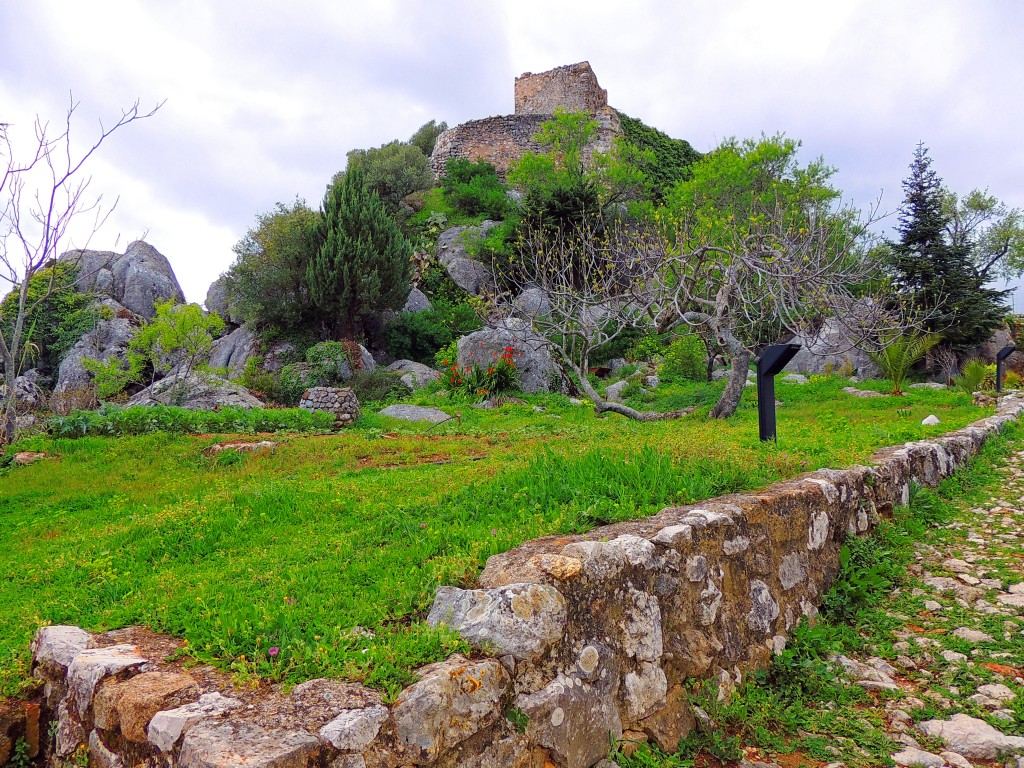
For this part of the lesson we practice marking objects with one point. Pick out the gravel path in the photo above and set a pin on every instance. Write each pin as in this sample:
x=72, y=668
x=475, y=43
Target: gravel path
x=949, y=678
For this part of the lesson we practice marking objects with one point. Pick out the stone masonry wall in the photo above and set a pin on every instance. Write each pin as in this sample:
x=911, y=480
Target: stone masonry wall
x=573, y=87
x=577, y=637
x=502, y=140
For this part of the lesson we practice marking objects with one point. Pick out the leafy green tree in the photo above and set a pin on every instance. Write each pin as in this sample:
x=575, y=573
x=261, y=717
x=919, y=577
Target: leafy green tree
x=426, y=136
x=988, y=230
x=179, y=336
x=267, y=282
x=771, y=250
x=57, y=318
x=392, y=171
x=938, y=272
x=363, y=263
x=665, y=162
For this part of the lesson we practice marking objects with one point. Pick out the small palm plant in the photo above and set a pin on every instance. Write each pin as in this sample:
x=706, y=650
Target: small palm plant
x=897, y=352
x=976, y=376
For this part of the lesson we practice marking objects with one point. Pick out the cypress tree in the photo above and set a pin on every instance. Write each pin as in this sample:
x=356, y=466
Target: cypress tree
x=940, y=276
x=363, y=262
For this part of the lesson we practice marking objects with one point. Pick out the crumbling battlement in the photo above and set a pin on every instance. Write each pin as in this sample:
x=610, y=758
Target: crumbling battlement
x=502, y=140
x=573, y=87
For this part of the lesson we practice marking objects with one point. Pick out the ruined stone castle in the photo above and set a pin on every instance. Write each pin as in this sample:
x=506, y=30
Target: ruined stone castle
x=503, y=139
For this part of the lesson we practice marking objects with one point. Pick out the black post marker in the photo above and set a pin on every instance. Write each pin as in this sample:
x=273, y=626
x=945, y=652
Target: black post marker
x=770, y=362
x=1001, y=356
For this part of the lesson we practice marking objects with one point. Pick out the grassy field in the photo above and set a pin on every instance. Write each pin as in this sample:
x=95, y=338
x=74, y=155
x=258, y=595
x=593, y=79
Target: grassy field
x=330, y=549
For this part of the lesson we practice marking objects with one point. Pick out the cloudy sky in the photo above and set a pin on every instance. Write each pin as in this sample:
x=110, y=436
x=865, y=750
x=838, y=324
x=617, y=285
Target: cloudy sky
x=263, y=99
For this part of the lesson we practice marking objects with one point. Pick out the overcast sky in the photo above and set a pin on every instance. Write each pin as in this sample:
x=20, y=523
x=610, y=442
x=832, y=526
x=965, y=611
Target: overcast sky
x=264, y=99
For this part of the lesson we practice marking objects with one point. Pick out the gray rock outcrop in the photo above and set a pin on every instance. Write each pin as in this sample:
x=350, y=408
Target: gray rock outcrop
x=197, y=391
x=234, y=350
x=536, y=367
x=972, y=738
x=417, y=302
x=414, y=375
x=451, y=244
x=136, y=279
x=832, y=349
x=110, y=338
x=28, y=394
x=217, y=301
x=415, y=413
x=470, y=275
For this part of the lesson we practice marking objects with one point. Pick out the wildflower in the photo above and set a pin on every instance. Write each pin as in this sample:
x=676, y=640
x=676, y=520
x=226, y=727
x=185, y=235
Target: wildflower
x=273, y=650
x=494, y=531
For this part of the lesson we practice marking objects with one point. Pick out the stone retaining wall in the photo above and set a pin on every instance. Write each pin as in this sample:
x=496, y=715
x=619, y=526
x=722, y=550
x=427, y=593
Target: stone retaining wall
x=579, y=637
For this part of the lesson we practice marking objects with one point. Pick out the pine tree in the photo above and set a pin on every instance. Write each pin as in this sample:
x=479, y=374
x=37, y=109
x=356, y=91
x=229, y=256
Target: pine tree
x=940, y=277
x=363, y=263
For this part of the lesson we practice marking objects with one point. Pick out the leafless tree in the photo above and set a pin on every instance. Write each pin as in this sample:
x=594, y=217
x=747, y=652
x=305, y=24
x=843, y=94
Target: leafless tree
x=746, y=292
x=41, y=193
x=595, y=287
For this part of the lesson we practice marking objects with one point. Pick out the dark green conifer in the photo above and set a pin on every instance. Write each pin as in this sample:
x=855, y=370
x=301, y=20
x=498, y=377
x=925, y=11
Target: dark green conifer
x=939, y=276
x=363, y=263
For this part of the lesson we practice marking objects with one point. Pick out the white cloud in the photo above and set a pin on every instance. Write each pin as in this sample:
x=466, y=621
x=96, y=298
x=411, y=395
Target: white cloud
x=265, y=98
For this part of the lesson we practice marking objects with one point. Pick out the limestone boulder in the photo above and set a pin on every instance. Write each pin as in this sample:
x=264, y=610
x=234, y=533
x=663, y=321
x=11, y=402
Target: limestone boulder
x=217, y=301
x=214, y=745
x=836, y=348
x=136, y=279
x=234, y=350
x=414, y=375
x=415, y=413
x=519, y=620
x=167, y=726
x=537, y=368
x=110, y=339
x=471, y=276
x=417, y=302
x=28, y=394
x=452, y=701
x=130, y=706
x=973, y=738
x=197, y=391
x=573, y=721
x=452, y=243
x=532, y=302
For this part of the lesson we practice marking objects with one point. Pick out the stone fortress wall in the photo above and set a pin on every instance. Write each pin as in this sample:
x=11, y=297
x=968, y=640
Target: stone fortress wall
x=578, y=638
x=503, y=139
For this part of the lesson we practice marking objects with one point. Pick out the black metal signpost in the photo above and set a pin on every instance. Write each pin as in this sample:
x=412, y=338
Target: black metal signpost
x=770, y=362
x=1001, y=356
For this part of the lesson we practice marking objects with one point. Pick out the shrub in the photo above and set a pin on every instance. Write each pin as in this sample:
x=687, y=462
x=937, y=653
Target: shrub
x=975, y=376
x=685, y=358
x=419, y=335
x=142, y=419
x=500, y=377
x=331, y=362
x=474, y=188
x=378, y=385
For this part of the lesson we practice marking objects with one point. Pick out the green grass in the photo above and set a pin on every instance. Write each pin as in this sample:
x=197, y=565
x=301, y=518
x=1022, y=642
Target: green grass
x=329, y=534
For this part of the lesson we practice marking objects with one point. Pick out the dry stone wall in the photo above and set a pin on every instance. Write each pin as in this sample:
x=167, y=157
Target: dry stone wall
x=577, y=637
